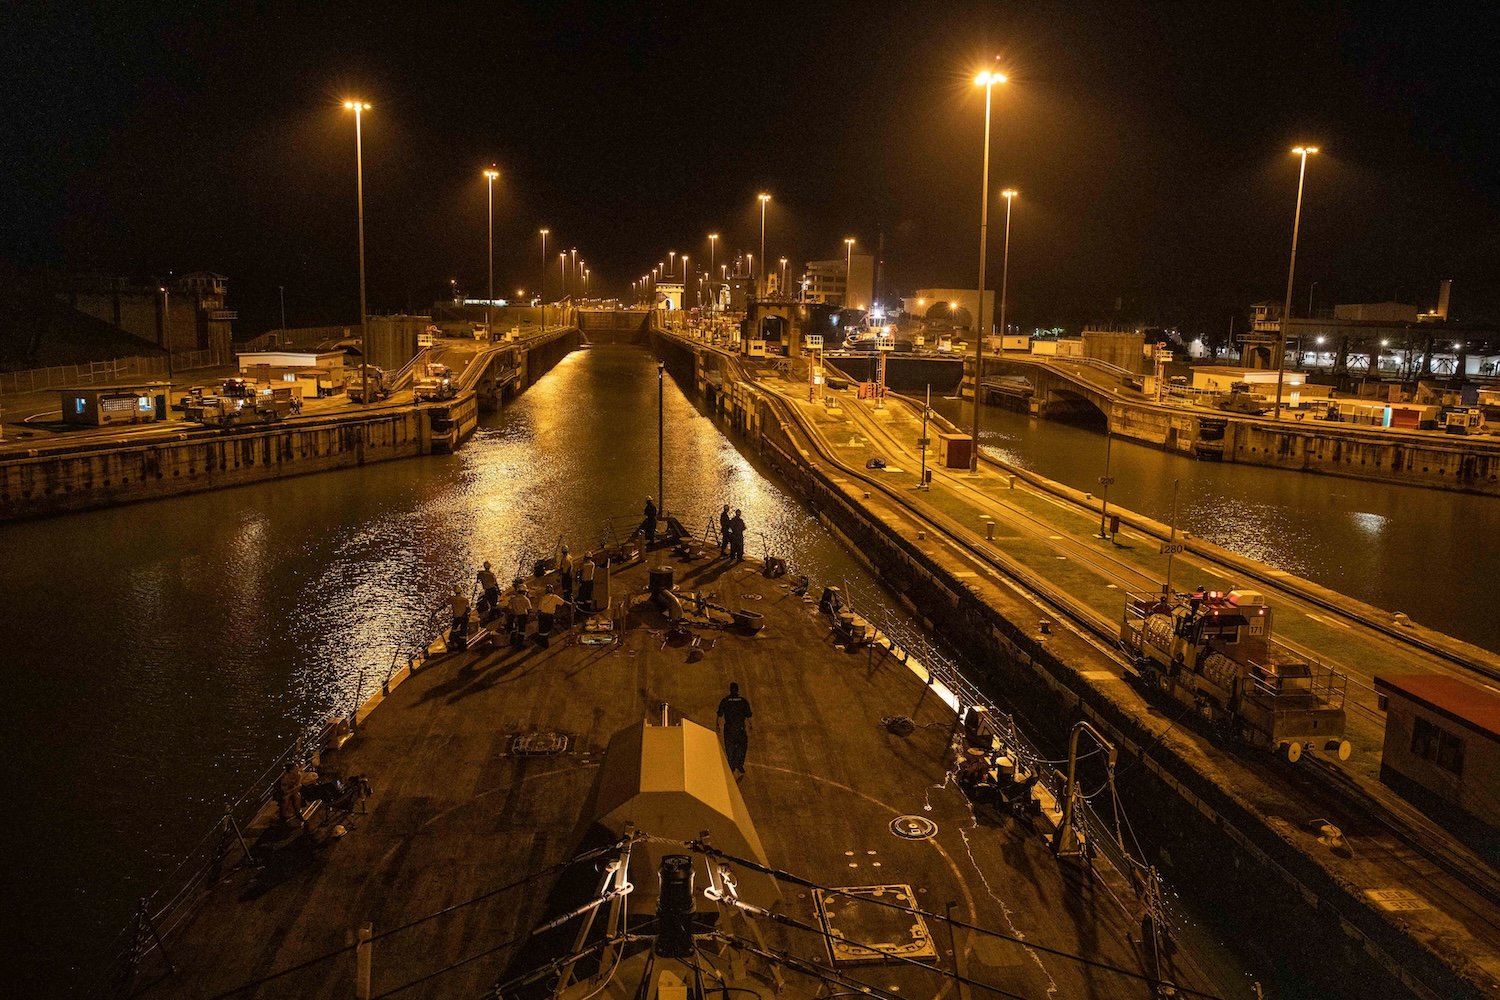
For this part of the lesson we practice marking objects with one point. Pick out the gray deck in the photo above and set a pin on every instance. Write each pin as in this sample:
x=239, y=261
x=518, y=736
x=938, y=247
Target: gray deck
x=455, y=816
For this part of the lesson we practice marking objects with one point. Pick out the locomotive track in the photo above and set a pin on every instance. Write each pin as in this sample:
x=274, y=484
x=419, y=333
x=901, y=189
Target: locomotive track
x=1382, y=832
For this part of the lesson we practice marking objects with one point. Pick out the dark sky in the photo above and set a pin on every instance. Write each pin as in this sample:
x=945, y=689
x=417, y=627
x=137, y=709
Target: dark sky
x=1149, y=144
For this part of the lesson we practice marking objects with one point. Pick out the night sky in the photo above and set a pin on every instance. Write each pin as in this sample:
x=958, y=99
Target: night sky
x=1149, y=145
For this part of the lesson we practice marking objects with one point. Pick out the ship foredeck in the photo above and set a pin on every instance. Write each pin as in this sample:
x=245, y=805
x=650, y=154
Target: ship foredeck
x=459, y=855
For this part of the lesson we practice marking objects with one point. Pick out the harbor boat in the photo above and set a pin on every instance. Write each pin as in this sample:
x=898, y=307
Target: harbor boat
x=524, y=816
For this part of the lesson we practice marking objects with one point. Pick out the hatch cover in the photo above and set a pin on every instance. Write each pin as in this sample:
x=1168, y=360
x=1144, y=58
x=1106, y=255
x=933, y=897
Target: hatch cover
x=913, y=827
x=873, y=923
x=544, y=744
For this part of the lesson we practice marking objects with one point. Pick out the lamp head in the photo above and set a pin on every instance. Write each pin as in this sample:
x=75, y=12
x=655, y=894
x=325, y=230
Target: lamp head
x=763, y=198
x=353, y=105
x=1304, y=150
x=544, y=232
x=989, y=77
x=1009, y=193
x=491, y=174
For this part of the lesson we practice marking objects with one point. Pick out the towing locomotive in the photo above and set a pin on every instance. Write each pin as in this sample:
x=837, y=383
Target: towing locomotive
x=1213, y=652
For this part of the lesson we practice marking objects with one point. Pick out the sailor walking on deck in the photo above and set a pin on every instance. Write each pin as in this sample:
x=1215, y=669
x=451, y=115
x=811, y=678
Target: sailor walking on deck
x=724, y=531
x=734, y=728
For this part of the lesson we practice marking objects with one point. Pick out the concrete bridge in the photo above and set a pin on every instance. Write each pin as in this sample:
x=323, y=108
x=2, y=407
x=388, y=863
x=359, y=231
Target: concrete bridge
x=1060, y=388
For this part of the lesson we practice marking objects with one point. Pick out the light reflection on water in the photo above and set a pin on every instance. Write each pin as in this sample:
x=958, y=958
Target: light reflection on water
x=165, y=653
x=1397, y=547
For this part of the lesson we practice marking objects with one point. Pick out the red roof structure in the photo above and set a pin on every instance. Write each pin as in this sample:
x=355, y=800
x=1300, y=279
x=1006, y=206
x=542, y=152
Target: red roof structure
x=1476, y=708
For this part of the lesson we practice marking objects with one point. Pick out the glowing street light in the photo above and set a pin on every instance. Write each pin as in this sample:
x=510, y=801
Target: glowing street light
x=1291, y=269
x=986, y=79
x=359, y=107
x=763, y=199
x=713, y=241
x=544, y=233
x=489, y=177
x=848, y=269
x=1009, y=194
x=783, y=277
x=563, y=270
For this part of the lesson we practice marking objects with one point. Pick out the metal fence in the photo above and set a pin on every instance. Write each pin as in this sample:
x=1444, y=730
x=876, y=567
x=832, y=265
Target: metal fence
x=101, y=372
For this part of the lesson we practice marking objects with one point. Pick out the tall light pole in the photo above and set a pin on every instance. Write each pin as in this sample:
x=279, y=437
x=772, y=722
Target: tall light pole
x=489, y=322
x=671, y=263
x=1009, y=194
x=783, y=278
x=562, y=268
x=987, y=80
x=661, y=476
x=764, y=200
x=358, y=107
x=685, y=281
x=573, y=267
x=544, y=233
x=281, y=290
x=713, y=239
x=1291, y=270
x=166, y=332
x=848, y=269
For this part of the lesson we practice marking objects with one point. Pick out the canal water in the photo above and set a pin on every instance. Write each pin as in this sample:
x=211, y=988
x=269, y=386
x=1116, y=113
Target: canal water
x=1400, y=548
x=163, y=654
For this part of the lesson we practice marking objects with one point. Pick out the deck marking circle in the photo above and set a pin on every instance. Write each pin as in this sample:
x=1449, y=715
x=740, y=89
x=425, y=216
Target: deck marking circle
x=913, y=828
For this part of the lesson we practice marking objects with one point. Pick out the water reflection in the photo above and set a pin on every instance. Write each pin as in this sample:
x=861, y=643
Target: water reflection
x=168, y=651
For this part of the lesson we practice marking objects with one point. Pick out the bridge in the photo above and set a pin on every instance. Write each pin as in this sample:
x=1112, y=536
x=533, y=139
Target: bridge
x=1059, y=387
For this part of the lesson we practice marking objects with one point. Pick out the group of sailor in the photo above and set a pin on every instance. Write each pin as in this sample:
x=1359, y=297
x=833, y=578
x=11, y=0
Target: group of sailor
x=516, y=605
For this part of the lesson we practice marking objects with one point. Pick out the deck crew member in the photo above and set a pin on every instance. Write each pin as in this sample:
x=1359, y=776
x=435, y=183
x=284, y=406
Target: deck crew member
x=586, y=583
x=737, y=536
x=289, y=791
x=489, y=602
x=565, y=574
x=460, y=607
x=519, y=607
x=734, y=728
x=724, y=531
x=648, y=522
x=546, y=614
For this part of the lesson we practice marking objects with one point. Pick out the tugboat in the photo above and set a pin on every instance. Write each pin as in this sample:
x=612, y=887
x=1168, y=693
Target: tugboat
x=558, y=817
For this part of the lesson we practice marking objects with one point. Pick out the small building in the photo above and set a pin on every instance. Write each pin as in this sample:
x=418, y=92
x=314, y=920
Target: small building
x=1295, y=390
x=321, y=373
x=1442, y=743
x=102, y=406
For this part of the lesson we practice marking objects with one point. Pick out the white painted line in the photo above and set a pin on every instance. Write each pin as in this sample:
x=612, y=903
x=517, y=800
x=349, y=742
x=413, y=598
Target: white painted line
x=1326, y=621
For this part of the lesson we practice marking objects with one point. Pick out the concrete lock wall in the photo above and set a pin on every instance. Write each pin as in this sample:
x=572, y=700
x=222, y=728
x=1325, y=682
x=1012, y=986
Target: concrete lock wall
x=54, y=484
x=1036, y=676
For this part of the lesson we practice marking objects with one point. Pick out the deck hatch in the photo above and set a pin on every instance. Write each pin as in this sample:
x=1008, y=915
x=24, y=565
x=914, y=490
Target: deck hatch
x=854, y=914
x=549, y=743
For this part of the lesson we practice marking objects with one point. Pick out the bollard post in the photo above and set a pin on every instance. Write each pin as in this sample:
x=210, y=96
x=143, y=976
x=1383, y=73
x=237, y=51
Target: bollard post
x=989, y=531
x=362, y=964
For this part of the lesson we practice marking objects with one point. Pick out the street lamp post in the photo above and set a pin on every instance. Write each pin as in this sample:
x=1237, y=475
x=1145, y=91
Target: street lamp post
x=1291, y=270
x=166, y=330
x=783, y=279
x=573, y=267
x=489, y=321
x=544, y=233
x=1104, y=482
x=763, y=199
x=848, y=270
x=562, y=268
x=661, y=495
x=1010, y=196
x=987, y=80
x=281, y=290
x=358, y=107
x=713, y=239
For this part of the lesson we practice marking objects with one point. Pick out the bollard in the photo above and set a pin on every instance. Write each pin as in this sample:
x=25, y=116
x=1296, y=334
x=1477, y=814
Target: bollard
x=989, y=530
x=1010, y=482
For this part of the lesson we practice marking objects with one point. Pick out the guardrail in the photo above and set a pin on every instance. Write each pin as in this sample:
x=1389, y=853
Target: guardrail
x=99, y=372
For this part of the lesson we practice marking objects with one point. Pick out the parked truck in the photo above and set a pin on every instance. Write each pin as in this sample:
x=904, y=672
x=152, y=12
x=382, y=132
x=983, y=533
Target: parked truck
x=434, y=383
x=379, y=386
x=239, y=401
